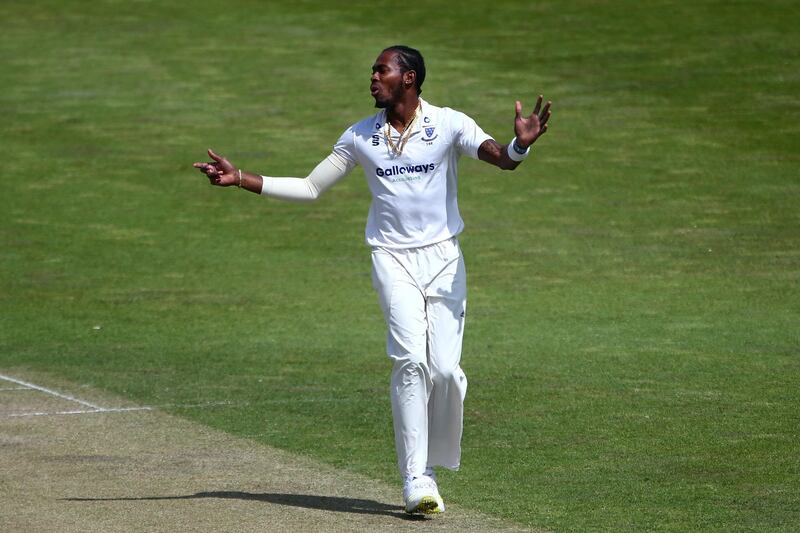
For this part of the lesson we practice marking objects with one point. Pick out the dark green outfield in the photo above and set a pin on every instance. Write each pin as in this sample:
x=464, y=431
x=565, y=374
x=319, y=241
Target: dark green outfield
x=633, y=346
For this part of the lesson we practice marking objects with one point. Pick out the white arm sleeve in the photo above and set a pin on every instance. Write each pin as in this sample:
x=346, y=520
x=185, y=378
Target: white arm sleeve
x=323, y=177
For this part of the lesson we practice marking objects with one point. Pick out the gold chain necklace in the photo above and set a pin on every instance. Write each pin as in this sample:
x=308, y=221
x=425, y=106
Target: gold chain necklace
x=404, y=137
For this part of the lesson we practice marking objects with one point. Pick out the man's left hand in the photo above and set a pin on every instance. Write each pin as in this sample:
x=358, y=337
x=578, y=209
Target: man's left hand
x=528, y=129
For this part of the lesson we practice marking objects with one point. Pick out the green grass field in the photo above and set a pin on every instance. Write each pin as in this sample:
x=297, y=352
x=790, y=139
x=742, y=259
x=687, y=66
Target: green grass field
x=632, y=347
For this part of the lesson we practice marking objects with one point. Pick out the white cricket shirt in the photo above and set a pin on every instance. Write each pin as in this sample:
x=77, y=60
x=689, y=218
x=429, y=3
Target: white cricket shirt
x=414, y=194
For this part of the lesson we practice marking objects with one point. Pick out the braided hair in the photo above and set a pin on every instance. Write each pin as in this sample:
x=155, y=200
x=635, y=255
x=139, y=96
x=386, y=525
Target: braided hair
x=409, y=59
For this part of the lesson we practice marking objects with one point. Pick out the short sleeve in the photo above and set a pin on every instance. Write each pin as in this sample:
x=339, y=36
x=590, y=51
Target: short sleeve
x=468, y=136
x=345, y=149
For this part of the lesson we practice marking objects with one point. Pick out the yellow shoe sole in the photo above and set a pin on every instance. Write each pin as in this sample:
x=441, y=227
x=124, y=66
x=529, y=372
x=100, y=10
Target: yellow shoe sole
x=427, y=505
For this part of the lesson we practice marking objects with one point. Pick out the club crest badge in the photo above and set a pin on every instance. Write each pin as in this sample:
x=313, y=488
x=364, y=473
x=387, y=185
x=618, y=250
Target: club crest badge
x=430, y=134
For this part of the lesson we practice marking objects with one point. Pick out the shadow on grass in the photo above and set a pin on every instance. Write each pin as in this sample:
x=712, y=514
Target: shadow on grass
x=325, y=503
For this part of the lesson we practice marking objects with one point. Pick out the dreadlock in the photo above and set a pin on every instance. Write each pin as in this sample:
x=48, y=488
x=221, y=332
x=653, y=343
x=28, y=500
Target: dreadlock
x=409, y=59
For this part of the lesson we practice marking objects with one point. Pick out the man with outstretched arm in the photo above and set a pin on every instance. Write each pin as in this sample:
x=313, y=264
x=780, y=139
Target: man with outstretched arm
x=409, y=151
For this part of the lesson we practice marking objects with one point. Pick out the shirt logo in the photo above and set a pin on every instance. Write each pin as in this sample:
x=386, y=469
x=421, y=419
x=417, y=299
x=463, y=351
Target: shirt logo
x=405, y=172
x=429, y=134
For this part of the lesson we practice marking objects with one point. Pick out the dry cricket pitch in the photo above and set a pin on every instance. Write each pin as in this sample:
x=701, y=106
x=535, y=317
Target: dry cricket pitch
x=74, y=460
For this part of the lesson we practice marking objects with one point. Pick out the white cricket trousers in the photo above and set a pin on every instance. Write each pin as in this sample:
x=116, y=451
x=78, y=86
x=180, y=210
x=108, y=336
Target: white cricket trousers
x=423, y=295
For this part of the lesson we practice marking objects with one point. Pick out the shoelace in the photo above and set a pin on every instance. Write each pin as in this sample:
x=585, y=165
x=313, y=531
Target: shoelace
x=422, y=483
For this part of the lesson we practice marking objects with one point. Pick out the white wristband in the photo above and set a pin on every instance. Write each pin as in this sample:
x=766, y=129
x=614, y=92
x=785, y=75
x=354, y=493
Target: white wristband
x=514, y=154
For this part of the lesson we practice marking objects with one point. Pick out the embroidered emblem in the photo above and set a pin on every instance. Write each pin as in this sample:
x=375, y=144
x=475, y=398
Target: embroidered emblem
x=429, y=134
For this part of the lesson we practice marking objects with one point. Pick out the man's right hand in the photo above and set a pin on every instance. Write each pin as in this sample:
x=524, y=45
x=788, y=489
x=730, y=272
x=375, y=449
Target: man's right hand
x=219, y=171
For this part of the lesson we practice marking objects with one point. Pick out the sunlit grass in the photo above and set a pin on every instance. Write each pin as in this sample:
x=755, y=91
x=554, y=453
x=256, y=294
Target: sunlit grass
x=632, y=345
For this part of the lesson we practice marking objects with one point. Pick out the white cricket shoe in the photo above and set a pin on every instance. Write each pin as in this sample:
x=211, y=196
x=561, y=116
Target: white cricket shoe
x=429, y=473
x=422, y=496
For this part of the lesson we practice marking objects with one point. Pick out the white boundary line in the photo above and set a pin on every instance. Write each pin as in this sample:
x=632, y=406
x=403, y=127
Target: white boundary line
x=98, y=409
x=124, y=409
x=80, y=412
x=51, y=392
x=92, y=407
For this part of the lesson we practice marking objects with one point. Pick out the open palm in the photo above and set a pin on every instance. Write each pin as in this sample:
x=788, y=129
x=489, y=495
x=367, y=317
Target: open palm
x=530, y=128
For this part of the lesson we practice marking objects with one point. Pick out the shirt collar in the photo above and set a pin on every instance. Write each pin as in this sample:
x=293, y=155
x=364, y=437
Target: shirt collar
x=417, y=126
